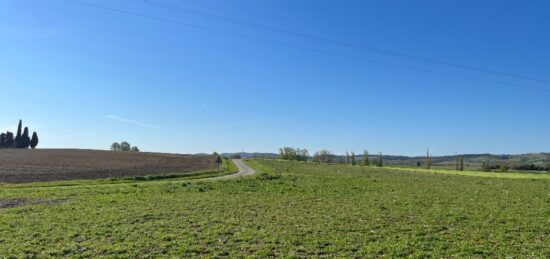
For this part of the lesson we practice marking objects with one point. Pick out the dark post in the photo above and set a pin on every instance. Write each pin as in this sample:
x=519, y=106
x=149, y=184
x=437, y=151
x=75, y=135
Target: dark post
x=219, y=162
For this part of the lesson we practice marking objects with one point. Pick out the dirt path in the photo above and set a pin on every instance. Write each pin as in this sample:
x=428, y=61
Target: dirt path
x=244, y=170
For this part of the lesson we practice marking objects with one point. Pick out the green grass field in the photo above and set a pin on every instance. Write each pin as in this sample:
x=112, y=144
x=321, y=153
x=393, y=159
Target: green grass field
x=288, y=209
x=477, y=173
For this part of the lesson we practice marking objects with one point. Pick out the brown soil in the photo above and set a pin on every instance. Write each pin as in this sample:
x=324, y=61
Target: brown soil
x=10, y=203
x=23, y=166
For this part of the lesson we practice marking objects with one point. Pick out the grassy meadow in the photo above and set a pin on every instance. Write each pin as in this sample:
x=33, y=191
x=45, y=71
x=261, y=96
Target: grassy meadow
x=289, y=209
x=476, y=173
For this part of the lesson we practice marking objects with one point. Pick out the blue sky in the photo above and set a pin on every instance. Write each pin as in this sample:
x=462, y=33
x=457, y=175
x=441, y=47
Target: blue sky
x=84, y=77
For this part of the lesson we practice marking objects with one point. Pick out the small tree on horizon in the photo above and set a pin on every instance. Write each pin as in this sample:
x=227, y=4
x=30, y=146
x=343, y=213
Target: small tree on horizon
x=461, y=165
x=428, y=159
x=353, y=162
x=115, y=146
x=322, y=156
x=297, y=154
x=218, y=161
x=348, y=159
x=125, y=146
x=135, y=149
x=366, y=158
x=34, y=140
x=380, y=160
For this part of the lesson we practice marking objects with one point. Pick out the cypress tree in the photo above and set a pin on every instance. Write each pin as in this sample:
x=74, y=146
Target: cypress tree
x=18, y=143
x=428, y=159
x=461, y=167
x=353, y=162
x=366, y=158
x=25, y=139
x=34, y=140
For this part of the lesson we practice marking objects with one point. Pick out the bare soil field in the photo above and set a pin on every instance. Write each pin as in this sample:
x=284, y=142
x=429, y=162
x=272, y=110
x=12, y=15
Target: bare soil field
x=42, y=165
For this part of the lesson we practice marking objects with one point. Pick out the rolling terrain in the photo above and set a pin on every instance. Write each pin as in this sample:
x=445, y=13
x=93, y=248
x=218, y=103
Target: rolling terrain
x=472, y=161
x=42, y=165
x=286, y=209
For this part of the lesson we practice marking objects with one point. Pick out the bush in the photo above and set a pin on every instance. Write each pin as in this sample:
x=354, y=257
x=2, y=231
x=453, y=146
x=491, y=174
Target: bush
x=296, y=154
x=34, y=140
x=266, y=176
x=531, y=167
x=123, y=146
x=323, y=156
x=485, y=167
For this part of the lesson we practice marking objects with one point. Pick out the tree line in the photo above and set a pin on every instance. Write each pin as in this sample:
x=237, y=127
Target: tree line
x=20, y=140
x=350, y=158
x=326, y=157
x=293, y=154
x=123, y=146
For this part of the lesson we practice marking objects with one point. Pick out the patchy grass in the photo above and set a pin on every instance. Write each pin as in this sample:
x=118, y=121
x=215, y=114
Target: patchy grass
x=512, y=175
x=288, y=209
x=11, y=203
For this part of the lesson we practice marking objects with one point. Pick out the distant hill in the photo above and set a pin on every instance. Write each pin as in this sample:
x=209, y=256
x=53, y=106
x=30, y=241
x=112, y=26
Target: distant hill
x=251, y=155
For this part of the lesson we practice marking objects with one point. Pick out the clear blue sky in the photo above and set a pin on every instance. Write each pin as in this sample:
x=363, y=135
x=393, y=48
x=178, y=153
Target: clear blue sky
x=84, y=77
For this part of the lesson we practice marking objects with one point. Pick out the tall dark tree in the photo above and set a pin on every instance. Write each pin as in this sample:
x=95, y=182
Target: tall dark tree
x=34, y=140
x=18, y=143
x=10, y=141
x=3, y=140
x=461, y=164
x=352, y=159
x=380, y=160
x=25, y=139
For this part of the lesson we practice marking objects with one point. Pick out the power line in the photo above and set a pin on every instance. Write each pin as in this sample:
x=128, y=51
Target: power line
x=333, y=41
x=320, y=51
